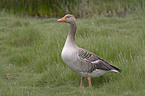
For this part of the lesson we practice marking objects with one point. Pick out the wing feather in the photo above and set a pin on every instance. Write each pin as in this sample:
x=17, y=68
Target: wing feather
x=95, y=61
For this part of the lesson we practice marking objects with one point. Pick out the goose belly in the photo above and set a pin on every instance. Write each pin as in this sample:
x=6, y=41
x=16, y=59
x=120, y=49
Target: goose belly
x=71, y=60
x=95, y=73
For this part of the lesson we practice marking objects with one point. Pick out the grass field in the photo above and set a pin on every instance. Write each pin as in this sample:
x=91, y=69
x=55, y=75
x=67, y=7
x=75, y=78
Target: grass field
x=31, y=65
x=80, y=8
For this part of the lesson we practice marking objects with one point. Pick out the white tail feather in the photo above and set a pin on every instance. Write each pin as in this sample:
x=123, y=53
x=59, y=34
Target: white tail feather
x=115, y=71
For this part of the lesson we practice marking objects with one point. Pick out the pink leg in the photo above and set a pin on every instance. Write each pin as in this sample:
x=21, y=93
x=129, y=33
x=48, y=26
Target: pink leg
x=89, y=80
x=81, y=84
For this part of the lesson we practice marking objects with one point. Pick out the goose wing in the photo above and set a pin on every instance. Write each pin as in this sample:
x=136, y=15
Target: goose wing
x=94, y=61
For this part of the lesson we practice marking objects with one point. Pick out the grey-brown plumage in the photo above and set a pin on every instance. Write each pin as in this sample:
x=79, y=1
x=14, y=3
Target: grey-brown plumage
x=95, y=61
x=81, y=61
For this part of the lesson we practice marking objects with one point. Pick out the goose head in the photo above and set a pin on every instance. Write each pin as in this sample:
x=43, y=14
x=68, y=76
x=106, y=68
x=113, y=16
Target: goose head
x=68, y=19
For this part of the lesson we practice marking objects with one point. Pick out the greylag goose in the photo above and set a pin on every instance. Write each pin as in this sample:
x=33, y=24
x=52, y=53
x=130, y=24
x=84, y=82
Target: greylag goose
x=81, y=61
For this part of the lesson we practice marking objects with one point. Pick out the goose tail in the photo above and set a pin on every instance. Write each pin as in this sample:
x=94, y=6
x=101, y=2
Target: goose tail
x=115, y=69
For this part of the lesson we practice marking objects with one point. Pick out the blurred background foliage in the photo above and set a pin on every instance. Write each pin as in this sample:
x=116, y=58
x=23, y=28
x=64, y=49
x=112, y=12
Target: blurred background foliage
x=80, y=8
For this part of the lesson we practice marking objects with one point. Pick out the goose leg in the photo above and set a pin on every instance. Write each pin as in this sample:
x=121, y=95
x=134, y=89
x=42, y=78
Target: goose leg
x=89, y=80
x=81, y=84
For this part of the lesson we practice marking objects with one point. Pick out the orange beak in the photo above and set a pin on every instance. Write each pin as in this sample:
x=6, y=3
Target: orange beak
x=62, y=19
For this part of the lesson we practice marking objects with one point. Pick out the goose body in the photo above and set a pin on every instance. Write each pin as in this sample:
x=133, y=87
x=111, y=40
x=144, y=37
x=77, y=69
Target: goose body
x=82, y=61
x=85, y=63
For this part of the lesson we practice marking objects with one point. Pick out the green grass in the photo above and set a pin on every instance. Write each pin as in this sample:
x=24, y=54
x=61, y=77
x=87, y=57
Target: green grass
x=80, y=8
x=31, y=65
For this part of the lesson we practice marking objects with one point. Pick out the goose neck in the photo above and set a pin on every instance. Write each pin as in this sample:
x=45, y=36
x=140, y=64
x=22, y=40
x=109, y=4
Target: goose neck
x=71, y=35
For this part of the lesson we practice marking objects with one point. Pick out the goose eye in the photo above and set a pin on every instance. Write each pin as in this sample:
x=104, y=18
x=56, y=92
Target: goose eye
x=67, y=16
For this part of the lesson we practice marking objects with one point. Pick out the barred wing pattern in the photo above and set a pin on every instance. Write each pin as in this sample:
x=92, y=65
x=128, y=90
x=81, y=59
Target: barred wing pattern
x=95, y=61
